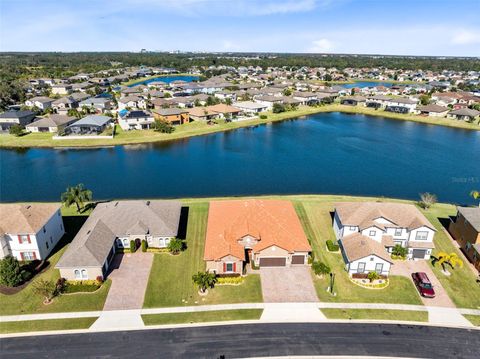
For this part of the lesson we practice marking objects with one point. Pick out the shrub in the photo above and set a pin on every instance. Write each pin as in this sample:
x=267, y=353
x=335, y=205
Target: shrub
x=263, y=117
x=204, y=280
x=230, y=280
x=10, y=272
x=133, y=246
x=228, y=275
x=332, y=247
x=399, y=251
x=144, y=246
x=320, y=268
x=278, y=108
x=372, y=276
x=99, y=279
x=44, y=288
x=16, y=130
x=60, y=286
x=157, y=250
x=79, y=286
x=163, y=126
x=427, y=200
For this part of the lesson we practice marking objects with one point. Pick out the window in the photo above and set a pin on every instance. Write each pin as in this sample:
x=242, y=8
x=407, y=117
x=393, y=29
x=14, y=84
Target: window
x=84, y=274
x=421, y=236
x=61, y=227
x=379, y=268
x=46, y=243
x=125, y=243
x=398, y=232
x=23, y=238
x=77, y=274
x=372, y=233
x=361, y=267
x=28, y=256
x=44, y=230
x=229, y=267
x=352, y=228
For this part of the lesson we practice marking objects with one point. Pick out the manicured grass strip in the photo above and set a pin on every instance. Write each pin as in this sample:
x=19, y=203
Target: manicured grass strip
x=200, y=317
x=48, y=324
x=474, y=319
x=380, y=314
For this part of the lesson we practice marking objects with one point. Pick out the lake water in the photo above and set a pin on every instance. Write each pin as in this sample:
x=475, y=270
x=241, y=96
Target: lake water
x=362, y=84
x=323, y=153
x=166, y=79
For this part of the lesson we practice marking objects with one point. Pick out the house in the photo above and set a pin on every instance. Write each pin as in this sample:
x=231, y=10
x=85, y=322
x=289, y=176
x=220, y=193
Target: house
x=135, y=120
x=131, y=102
x=100, y=104
x=306, y=98
x=10, y=118
x=30, y=231
x=465, y=114
x=353, y=100
x=388, y=224
x=433, y=110
x=62, y=89
x=400, y=105
x=91, y=124
x=268, y=100
x=62, y=105
x=52, y=123
x=225, y=111
x=202, y=114
x=40, y=102
x=111, y=226
x=465, y=228
x=267, y=233
x=250, y=107
x=175, y=116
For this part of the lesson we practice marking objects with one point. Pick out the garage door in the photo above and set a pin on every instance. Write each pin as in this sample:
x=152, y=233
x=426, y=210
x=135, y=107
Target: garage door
x=419, y=253
x=273, y=262
x=298, y=259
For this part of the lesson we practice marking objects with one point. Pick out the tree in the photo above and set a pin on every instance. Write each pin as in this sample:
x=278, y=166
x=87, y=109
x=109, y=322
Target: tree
x=427, y=200
x=287, y=92
x=78, y=195
x=44, y=288
x=278, y=108
x=399, y=251
x=133, y=246
x=475, y=195
x=204, y=280
x=16, y=130
x=163, y=126
x=451, y=260
x=144, y=245
x=10, y=272
x=320, y=268
x=424, y=99
x=372, y=276
x=327, y=77
x=175, y=246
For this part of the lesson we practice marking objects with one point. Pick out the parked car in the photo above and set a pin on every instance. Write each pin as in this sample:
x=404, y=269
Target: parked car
x=423, y=284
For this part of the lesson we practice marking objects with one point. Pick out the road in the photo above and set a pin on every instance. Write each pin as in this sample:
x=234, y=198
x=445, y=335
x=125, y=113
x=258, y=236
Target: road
x=248, y=340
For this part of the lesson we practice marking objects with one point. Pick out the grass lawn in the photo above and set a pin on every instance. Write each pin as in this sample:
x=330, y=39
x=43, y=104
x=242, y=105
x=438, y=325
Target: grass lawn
x=48, y=324
x=315, y=216
x=380, y=314
x=170, y=283
x=200, y=317
x=474, y=319
x=27, y=302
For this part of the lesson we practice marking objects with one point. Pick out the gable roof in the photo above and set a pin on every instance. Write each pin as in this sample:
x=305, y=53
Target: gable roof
x=272, y=222
x=52, y=121
x=25, y=218
x=357, y=246
x=110, y=220
x=472, y=215
x=362, y=214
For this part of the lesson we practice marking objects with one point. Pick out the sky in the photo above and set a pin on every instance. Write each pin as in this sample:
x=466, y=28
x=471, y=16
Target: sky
x=391, y=27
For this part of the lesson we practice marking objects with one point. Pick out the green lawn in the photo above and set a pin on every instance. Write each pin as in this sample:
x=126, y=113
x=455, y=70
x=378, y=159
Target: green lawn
x=474, y=319
x=27, y=302
x=170, y=282
x=200, y=317
x=315, y=216
x=379, y=314
x=48, y=324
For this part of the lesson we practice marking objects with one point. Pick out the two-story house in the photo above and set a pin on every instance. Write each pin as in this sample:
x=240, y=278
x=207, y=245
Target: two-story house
x=135, y=120
x=465, y=228
x=377, y=227
x=31, y=231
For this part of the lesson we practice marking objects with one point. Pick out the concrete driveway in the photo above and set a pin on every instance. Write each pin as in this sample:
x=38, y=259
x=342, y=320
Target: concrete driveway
x=287, y=284
x=129, y=281
x=406, y=268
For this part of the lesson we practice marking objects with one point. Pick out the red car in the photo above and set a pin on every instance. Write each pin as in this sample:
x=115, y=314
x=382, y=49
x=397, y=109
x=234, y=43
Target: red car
x=423, y=284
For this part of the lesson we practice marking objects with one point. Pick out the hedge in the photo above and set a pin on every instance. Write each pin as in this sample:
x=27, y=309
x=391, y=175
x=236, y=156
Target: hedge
x=332, y=247
x=230, y=280
x=81, y=286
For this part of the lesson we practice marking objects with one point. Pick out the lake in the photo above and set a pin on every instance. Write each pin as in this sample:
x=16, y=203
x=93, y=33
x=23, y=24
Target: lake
x=361, y=84
x=323, y=153
x=166, y=79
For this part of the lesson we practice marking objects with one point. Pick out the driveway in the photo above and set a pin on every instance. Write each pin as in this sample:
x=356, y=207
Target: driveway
x=406, y=268
x=289, y=284
x=129, y=281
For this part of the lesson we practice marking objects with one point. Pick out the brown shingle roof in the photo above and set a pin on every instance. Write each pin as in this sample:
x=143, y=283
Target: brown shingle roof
x=357, y=246
x=25, y=218
x=273, y=222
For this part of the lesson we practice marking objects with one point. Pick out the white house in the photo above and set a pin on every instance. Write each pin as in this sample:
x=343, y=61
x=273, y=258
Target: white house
x=62, y=89
x=250, y=107
x=131, y=102
x=41, y=102
x=387, y=224
x=31, y=231
x=136, y=120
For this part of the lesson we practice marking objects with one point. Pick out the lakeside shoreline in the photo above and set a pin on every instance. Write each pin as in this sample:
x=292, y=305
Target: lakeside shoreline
x=136, y=137
x=143, y=79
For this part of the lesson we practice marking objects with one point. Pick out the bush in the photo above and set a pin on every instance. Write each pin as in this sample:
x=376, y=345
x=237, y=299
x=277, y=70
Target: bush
x=320, y=268
x=278, y=108
x=230, y=280
x=332, y=247
x=133, y=246
x=263, y=117
x=372, y=276
x=228, y=275
x=10, y=272
x=399, y=251
x=60, y=286
x=157, y=250
x=79, y=286
x=16, y=130
x=175, y=246
x=99, y=279
x=144, y=246
x=163, y=126
x=427, y=200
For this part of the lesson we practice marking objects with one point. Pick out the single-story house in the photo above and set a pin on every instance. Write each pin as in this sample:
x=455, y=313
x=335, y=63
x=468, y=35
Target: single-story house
x=41, y=102
x=465, y=228
x=268, y=100
x=10, y=118
x=465, y=114
x=386, y=223
x=29, y=231
x=92, y=124
x=61, y=89
x=267, y=233
x=112, y=225
x=250, y=107
x=353, y=100
x=433, y=110
x=202, y=114
x=225, y=111
x=62, y=105
x=135, y=120
x=175, y=116
x=52, y=123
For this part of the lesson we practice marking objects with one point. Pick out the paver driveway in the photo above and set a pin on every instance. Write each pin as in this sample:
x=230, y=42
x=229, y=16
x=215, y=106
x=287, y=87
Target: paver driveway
x=129, y=281
x=289, y=284
x=406, y=268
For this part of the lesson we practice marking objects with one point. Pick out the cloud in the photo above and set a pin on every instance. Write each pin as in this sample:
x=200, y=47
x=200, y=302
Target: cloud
x=322, y=45
x=466, y=37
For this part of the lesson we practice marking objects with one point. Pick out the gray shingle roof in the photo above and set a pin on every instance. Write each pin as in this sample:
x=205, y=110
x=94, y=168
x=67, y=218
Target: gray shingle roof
x=94, y=120
x=472, y=215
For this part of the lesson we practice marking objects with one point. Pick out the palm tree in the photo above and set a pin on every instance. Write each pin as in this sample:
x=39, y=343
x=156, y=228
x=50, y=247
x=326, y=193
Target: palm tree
x=476, y=195
x=451, y=259
x=175, y=245
x=78, y=195
x=204, y=280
